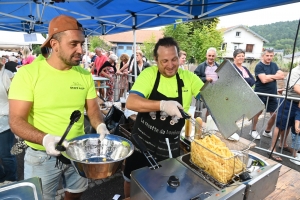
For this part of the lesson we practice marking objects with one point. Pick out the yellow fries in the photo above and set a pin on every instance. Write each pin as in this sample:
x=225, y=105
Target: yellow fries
x=222, y=164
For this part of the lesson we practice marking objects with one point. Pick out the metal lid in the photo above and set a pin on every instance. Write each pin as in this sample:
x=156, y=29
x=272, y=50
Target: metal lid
x=229, y=99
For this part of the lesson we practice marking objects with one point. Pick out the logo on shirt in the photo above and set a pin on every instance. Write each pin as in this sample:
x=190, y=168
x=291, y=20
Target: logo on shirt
x=76, y=86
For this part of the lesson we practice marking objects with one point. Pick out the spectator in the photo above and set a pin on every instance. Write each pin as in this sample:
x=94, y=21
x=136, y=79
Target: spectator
x=86, y=59
x=99, y=61
x=27, y=57
x=8, y=166
x=266, y=73
x=286, y=116
x=182, y=59
x=140, y=64
x=206, y=70
x=108, y=70
x=239, y=57
x=123, y=71
x=12, y=64
x=296, y=138
x=43, y=96
x=131, y=66
x=160, y=88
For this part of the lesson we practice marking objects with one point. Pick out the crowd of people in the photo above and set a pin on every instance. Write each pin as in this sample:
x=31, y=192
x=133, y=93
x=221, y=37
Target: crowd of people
x=42, y=96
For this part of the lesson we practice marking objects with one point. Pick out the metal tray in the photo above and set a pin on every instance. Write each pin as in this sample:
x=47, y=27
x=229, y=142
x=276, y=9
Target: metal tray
x=23, y=190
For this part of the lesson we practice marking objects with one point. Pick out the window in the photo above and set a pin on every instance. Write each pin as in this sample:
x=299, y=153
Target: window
x=224, y=46
x=238, y=34
x=249, y=48
x=129, y=48
x=120, y=47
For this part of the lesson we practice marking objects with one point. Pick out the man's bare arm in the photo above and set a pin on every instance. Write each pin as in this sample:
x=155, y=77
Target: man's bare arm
x=297, y=88
x=279, y=75
x=18, y=121
x=271, y=77
x=93, y=112
x=140, y=104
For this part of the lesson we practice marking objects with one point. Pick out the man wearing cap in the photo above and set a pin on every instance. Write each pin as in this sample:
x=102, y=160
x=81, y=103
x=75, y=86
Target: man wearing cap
x=42, y=98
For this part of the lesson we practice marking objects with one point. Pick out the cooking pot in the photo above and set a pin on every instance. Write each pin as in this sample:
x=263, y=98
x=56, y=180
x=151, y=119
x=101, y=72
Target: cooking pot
x=94, y=159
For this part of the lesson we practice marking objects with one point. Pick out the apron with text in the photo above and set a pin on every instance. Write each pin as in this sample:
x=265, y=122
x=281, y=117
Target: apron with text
x=154, y=132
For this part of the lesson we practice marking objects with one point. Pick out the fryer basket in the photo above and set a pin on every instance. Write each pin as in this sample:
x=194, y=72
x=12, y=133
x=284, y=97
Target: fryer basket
x=220, y=167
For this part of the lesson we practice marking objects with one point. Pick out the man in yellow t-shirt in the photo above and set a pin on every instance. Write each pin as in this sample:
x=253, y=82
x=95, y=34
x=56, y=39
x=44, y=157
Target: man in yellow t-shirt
x=42, y=97
x=156, y=95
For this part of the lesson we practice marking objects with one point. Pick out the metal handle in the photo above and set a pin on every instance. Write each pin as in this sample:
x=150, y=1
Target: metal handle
x=140, y=144
x=75, y=116
x=184, y=114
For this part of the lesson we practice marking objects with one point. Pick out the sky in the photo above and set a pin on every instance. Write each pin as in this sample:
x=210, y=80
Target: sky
x=288, y=12
x=283, y=13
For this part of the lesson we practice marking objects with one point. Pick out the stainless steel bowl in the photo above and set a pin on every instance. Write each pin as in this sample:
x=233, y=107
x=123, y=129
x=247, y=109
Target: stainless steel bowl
x=94, y=159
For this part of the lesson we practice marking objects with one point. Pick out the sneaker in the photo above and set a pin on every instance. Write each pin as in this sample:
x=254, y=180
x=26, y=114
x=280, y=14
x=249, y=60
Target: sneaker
x=295, y=161
x=269, y=135
x=255, y=135
x=234, y=137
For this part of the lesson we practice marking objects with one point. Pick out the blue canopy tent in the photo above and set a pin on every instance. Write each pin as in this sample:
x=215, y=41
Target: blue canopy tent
x=100, y=17
x=113, y=16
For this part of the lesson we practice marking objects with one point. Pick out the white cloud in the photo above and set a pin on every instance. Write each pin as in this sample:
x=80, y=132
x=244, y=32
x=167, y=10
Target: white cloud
x=288, y=12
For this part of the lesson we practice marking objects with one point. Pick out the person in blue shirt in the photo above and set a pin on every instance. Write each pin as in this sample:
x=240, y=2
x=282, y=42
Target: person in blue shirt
x=267, y=73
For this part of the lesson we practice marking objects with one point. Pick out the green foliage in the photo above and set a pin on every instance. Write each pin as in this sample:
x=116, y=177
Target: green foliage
x=196, y=37
x=281, y=35
x=36, y=49
x=95, y=41
x=180, y=32
x=148, y=47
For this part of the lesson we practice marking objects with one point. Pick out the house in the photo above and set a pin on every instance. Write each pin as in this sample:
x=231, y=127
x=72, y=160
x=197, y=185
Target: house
x=123, y=42
x=288, y=58
x=241, y=37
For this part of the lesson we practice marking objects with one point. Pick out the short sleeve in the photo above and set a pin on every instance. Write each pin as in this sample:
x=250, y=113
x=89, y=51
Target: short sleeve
x=259, y=70
x=144, y=83
x=92, y=90
x=197, y=84
x=21, y=87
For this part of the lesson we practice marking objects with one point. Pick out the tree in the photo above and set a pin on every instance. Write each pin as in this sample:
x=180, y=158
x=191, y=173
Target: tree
x=148, y=47
x=205, y=38
x=196, y=37
x=95, y=41
x=36, y=49
x=180, y=32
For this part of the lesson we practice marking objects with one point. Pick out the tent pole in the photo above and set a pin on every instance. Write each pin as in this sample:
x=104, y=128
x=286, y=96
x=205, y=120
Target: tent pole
x=134, y=54
x=134, y=45
x=85, y=64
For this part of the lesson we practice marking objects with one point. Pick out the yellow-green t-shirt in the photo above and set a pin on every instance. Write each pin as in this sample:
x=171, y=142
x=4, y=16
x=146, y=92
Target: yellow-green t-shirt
x=55, y=95
x=168, y=86
x=39, y=58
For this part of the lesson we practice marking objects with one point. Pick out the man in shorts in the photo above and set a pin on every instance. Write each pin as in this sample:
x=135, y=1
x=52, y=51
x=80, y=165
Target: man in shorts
x=287, y=112
x=296, y=138
x=267, y=73
x=42, y=97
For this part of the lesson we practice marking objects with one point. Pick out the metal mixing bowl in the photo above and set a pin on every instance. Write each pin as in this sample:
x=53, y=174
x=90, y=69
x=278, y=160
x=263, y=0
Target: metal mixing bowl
x=94, y=159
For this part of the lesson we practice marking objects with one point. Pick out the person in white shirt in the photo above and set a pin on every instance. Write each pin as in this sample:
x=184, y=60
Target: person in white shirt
x=182, y=59
x=8, y=166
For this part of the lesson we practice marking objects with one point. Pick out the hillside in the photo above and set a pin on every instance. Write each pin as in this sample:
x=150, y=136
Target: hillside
x=281, y=35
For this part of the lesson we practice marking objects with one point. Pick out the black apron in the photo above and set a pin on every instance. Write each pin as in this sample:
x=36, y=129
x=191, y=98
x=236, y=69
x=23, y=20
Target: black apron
x=154, y=131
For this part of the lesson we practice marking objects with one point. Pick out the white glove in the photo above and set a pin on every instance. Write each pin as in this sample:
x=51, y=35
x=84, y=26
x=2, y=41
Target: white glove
x=171, y=108
x=50, y=141
x=102, y=130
